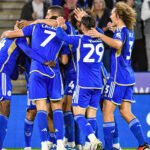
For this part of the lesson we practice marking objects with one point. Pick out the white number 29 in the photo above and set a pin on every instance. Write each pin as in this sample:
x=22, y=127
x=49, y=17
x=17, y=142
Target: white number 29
x=49, y=38
x=99, y=49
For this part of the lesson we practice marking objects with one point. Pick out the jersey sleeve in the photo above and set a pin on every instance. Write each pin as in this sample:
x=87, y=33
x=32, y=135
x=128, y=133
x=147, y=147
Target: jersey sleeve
x=120, y=36
x=27, y=31
x=69, y=39
x=70, y=29
x=22, y=43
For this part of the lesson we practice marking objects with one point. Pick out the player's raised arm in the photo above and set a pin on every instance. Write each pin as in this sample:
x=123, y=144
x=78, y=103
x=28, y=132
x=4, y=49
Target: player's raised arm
x=115, y=43
x=61, y=34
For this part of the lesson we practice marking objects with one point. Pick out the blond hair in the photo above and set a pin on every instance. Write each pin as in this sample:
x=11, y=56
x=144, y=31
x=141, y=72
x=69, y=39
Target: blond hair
x=93, y=9
x=126, y=14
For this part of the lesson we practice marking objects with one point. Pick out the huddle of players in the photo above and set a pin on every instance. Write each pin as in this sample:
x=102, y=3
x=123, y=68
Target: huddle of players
x=83, y=80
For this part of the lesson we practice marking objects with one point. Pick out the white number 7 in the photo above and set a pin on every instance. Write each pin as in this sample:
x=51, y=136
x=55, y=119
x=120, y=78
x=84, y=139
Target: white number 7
x=49, y=38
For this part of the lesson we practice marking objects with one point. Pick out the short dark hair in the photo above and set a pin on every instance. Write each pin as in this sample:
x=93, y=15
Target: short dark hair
x=57, y=9
x=88, y=21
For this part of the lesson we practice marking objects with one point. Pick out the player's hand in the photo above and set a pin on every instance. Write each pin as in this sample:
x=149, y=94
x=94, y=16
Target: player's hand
x=50, y=63
x=60, y=22
x=110, y=26
x=79, y=13
x=94, y=33
x=34, y=15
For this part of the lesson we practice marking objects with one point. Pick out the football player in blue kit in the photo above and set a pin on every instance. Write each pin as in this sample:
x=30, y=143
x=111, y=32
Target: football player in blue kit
x=89, y=82
x=119, y=88
x=45, y=81
x=9, y=52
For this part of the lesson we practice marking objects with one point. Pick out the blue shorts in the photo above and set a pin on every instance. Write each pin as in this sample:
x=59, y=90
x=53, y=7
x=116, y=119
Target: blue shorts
x=86, y=97
x=117, y=93
x=5, y=87
x=41, y=87
x=30, y=104
x=70, y=87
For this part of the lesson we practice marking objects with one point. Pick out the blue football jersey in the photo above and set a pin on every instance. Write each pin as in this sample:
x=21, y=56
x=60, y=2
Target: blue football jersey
x=121, y=70
x=45, y=42
x=89, y=55
x=9, y=52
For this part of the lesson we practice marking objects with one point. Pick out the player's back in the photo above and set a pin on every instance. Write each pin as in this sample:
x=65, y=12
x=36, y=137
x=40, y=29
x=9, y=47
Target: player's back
x=121, y=68
x=89, y=56
x=45, y=42
x=8, y=55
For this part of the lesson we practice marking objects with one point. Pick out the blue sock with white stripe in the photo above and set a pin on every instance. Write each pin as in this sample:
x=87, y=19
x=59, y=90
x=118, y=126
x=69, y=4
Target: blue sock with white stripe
x=108, y=129
x=93, y=123
x=43, y=125
x=58, y=123
x=85, y=126
x=28, y=129
x=136, y=129
x=116, y=140
x=52, y=137
x=69, y=123
x=3, y=129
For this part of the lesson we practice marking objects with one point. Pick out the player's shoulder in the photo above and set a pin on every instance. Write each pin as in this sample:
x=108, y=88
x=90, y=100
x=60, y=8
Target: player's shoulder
x=45, y=26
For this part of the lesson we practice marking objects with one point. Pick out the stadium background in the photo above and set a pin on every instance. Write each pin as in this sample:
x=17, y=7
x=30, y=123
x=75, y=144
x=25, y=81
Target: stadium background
x=9, y=13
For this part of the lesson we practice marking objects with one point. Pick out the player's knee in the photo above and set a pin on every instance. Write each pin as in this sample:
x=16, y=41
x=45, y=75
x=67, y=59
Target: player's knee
x=5, y=108
x=31, y=113
x=91, y=113
x=56, y=105
x=124, y=113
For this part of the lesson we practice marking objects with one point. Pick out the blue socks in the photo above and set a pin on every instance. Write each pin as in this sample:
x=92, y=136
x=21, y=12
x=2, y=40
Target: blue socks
x=116, y=139
x=58, y=123
x=3, y=129
x=79, y=136
x=93, y=123
x=28, y=128
x=69, y=126
x=43, y=125
x=52, y=137
x=136, y=129
x=84, y=125
x=108, y=129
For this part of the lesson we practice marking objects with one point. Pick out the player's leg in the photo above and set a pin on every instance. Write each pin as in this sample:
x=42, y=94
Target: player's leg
x=81, y=101
x=134, y=123
x=51, y=135
x=56, y=93
x=4, y=115
x=91, y=112
x=113, y=96
x=28, y=123
x=38, y=93
x=5, y=97
x=68, y=115
x=116, y=139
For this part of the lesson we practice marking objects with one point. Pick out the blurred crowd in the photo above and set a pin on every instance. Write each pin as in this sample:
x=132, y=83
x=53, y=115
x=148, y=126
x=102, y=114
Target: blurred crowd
x=101, y=9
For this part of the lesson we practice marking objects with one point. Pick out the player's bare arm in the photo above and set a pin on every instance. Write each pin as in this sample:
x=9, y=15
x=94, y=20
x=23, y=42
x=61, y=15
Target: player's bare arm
x=109, y=41
x=50, y=22
x=12, y=34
